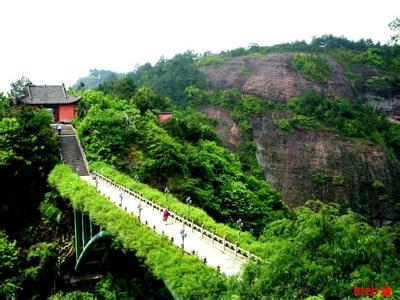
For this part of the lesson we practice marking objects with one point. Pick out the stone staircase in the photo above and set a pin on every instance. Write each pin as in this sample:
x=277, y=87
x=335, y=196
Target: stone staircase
x=70, y=150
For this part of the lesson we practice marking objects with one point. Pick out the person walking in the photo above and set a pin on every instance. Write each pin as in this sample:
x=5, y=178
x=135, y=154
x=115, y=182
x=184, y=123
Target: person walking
x=165, y=215
x=58, y=126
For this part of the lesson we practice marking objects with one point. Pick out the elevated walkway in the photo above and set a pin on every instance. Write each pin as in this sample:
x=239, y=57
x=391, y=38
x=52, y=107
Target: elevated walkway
x=210, y=248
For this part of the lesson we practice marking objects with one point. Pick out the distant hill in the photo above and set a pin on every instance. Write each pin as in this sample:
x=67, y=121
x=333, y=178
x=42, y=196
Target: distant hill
x=96, y=77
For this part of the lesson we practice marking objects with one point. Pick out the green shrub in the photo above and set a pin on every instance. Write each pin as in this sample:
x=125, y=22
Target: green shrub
x=338, y=179
x=297, y=122
x=9, y=256
x=312, y=67
x=245, y=70
x=351, y=118
x=284, y=125
x=378, y=82
x=321, y=178
x=75, y=295
x=210, y=60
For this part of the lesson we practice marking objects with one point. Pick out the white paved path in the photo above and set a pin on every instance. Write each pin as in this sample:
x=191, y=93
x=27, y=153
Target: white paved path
x=203, y=247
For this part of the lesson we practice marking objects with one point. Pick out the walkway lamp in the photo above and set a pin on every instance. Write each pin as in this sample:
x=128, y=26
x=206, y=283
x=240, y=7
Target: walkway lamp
x=140, y=208
x=183, y=235
x=120, y=197
x=240, y=226
x=166, y=192
x=189, y=202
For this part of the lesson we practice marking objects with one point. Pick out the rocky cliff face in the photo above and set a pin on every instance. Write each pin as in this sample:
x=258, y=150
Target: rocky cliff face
x=320, y=164
x=273, y=77
x=226, y=128
x=312, y=164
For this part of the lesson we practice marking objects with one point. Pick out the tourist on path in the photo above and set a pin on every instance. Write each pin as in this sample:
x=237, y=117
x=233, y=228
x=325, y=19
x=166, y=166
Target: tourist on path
x=165, y=215
x=58, y=126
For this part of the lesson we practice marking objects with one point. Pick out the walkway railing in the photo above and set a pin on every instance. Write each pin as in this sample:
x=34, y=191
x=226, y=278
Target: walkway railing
x=226, y=245
x=81, y=149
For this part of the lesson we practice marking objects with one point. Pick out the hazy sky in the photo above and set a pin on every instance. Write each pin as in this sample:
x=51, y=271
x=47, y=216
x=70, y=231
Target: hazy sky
x=54, y=41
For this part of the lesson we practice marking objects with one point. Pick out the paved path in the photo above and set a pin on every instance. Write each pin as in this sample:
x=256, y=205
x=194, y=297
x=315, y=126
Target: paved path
x=203, y=247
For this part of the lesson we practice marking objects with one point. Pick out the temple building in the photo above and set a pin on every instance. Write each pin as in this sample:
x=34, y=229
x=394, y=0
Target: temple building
x=55, y=99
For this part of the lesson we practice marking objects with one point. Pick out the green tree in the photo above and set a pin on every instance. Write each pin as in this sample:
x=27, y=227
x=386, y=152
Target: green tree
x=103, y=135
x=18, y=88
x=28, y=151
x=171, y=77
x=9, y=259
x=322, y=251
x=148, y=99
x=5, y=104
x=122, y=88
x=395, y=27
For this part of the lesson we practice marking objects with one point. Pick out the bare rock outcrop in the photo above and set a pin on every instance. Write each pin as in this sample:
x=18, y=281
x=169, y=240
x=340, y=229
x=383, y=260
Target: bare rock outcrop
x=225, y=127
x=273, y=77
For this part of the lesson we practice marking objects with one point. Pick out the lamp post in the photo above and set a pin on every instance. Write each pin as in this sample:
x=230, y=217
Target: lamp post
x=140, y=209
x=120, y=197
x=183, y=235
x=189, y=202
x=240, y=226
x=166, y=192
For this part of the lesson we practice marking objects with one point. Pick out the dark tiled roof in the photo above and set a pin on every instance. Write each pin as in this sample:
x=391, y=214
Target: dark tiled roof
x=48, y=94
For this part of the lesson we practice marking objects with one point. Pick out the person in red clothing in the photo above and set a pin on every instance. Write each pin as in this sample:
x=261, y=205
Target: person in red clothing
x=165, y=215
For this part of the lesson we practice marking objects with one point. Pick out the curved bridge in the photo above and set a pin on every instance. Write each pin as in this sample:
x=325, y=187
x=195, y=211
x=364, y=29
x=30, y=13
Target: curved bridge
x=91, y=243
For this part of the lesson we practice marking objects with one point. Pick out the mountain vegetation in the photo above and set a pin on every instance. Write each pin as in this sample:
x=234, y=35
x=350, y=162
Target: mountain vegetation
x=318, y=249
x=185, y=156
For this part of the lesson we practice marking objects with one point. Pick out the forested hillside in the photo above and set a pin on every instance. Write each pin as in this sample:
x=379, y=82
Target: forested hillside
x=323, y=134
x=185, y=155
x=317, y=120
x=300, y=142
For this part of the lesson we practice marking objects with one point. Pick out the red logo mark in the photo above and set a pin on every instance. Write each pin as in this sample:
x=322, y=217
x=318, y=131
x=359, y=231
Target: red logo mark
x=385, y=291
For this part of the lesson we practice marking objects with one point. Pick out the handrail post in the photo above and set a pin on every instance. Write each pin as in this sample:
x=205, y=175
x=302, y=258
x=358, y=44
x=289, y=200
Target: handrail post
x=236, y=249
x=223, y=241
x=192, y=224
x=202, y=230
x=212, y=237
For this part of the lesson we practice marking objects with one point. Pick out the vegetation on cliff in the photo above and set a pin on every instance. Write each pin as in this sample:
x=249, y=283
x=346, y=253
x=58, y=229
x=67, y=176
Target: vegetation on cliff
x=312, y=67
x=351, y=118
x=184, y=155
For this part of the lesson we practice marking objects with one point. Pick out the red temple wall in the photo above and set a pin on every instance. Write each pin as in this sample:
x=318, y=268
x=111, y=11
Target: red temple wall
x=66, y=113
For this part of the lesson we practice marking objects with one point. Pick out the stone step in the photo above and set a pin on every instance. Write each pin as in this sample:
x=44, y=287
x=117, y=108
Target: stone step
x=71, y=152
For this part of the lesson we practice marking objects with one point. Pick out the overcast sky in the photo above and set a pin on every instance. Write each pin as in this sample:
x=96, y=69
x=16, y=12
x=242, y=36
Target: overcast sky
x=55, y=41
